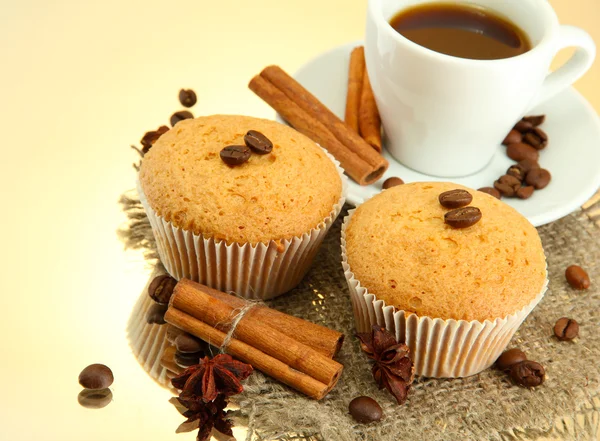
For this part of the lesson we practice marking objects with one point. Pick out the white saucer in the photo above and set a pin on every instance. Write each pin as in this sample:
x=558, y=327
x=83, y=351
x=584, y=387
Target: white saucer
x=572, y=155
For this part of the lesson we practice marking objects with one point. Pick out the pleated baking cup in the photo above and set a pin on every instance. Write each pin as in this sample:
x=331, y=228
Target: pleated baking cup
x=255, y=271
x=439, y=348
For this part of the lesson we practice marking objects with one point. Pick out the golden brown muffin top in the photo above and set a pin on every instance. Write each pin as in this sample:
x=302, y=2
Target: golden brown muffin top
x=270, y=197
x=400, y=249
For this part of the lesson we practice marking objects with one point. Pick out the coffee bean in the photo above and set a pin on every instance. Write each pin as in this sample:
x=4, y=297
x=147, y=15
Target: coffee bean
x=523, y=126
x=95, y=399
x=513, y=137
x=187, y=360
x=161, y=288
x=156, y=314
x=188, y=344
x=535, y=120
x=180, y=116
x=577, y=277
x=537, y=138
x=510, y=357
x=258, y=142
x=187, y=97
x=392, y=182
x=517, y=171
x=538, y=177
x=520, y=151
x=507, y=185
x=455, y=198
x=235, y=154
x=96, y=376
x=365, y=410
x=527, y=165
x=525, y=192
x=527, y=373
x=566, y=329
x=491, y=191
x=463, y=217
x=151, y=137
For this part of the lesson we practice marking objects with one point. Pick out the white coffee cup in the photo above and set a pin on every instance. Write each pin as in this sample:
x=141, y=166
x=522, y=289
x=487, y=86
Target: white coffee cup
x=445, y=116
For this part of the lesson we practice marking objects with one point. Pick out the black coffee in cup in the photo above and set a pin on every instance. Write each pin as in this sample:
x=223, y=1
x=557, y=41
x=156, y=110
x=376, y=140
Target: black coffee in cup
x=461, y=30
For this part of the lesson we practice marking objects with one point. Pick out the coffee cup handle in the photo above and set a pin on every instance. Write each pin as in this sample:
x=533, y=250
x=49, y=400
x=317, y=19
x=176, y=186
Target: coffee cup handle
x=575, y=67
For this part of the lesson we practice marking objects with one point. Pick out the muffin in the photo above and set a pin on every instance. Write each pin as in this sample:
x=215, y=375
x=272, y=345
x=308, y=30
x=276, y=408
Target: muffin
x=455, y=295
x=252, y=228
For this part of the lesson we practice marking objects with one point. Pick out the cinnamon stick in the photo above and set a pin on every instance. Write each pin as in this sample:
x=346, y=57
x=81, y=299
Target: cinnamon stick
x=369, y=121
x=321, y=339
x=310, y=117
x=270, y=341
x=245, y=352
x=356, y=72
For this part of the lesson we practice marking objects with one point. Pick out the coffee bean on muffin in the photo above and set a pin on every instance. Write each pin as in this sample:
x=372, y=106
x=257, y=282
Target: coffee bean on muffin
x=258, y=142
x=520, y=151
x=365, y=410
x=510, y=357
x=527, y=373
x=463, y=217
x=233, y=155
x=180, y=116
x=96, y=376
x=577, y=277
x=491, y=191
x=455, y=198
x=566, y=329
x=538, y=177
x=392, y=182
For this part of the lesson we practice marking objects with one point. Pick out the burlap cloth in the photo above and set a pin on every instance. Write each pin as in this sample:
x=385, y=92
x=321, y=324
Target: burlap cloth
x=485, y=406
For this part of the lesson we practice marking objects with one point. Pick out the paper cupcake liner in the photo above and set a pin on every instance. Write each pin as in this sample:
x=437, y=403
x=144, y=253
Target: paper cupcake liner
x=440, y=348
x=254, y=271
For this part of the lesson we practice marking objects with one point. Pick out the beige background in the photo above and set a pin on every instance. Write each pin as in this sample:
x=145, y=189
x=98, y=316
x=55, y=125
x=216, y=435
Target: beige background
x=80, y=82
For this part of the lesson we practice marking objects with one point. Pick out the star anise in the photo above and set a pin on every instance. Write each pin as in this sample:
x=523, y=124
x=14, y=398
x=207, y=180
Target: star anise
x=205, y=388
x=393, y=368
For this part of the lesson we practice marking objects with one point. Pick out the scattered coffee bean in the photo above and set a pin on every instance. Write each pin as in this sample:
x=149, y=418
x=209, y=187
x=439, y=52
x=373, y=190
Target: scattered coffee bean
x=235, y=154
x=523, y=126
x=513, y=137
x=258, y=142
x=527, y=373
x=491, y=191
x=161, y=288
x=95, y=399
x=525, y=192
x=392, y=182
x=180, y=116
x=517, y=171
x=156, y=314
x=455, y=198
x=566, y=329
x=538, y=177
x=535, y=120
x=577, y=277
x=463, y=217
x=188, y=344
x=151, y=137
x=537, y=138
x=520, y=151
x=510, y=357
x=187, y=360
x=507, y=185
x=365, y=410
x=527, y=165
x=187, y=97
x=96, y=376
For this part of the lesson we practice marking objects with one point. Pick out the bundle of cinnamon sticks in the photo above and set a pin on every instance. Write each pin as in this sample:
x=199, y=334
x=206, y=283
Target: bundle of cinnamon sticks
x=294, y=351
x=308, y=115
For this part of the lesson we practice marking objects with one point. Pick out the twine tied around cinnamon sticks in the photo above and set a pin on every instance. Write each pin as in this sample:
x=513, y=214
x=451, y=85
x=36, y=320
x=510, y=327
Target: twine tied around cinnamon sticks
x=293, y=351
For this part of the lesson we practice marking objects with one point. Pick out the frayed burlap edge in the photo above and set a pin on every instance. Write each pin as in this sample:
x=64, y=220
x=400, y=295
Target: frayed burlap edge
x=486, y=406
